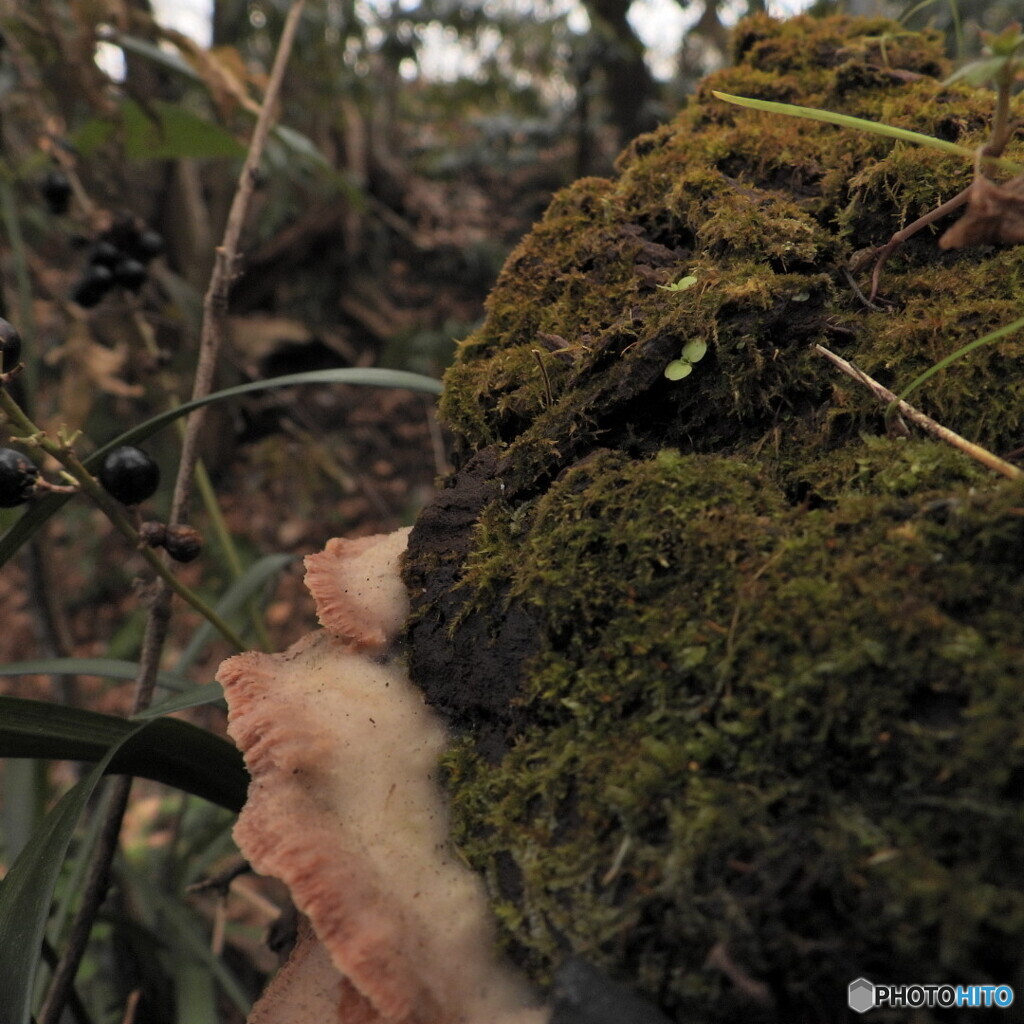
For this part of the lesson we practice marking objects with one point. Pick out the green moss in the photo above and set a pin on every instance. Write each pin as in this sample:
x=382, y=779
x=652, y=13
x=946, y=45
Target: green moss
x=757, y=725
x=732, y=667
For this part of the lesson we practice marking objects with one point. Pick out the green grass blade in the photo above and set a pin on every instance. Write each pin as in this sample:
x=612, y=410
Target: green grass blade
x=861, y=124
x=27, y=890
x=171, y=751
x=23, y=795
x=194, y=697
x=185, y=940
x=987, y=339
x=107, y=668
x=39, y=511
x=248, y=584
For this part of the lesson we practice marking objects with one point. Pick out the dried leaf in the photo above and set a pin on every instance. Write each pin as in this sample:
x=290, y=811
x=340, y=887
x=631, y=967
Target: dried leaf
x=994, y=216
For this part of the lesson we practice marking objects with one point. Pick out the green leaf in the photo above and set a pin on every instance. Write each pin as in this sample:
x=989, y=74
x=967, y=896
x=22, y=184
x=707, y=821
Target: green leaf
x=169, y=60
x=694, y=351
x=92, y=135
x=678, y=369
x=845, y=121
x=171, y=751
x=237, y=594
x=188, y=944
x=978, y=72
x=1006, y=43
x=41, y=510
x=681, y=285
x=194, y=697
x=27, y=890
x=300, y=145
x=176, y=133
x=107, y=668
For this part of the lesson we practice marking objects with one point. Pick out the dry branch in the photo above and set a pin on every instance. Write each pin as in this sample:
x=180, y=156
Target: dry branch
x=976, y=452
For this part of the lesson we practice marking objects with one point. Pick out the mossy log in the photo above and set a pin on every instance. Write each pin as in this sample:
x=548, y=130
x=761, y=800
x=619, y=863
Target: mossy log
x=736, y=677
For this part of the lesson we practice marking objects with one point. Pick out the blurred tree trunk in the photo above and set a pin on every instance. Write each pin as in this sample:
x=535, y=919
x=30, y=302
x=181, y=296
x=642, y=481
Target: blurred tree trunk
x=632, y=91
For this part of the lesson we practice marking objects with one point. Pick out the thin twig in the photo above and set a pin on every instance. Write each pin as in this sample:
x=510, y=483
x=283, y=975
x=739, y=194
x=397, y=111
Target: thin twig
x=976, y=452
x=550, y=401
x=909, y=231
x=215, y=303
x=214, y=312
x=94, y=892
x=436, y=439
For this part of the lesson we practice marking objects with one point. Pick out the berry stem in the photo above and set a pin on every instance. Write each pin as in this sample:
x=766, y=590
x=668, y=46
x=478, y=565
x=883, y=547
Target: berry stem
x=29, y=433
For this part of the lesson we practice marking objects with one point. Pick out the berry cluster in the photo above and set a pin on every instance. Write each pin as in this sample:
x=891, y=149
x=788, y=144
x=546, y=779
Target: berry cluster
x=127, y=474
x=118, y=257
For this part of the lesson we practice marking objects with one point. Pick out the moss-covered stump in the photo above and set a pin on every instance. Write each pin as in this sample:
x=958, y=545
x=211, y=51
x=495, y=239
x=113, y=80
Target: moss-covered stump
x=735, y=677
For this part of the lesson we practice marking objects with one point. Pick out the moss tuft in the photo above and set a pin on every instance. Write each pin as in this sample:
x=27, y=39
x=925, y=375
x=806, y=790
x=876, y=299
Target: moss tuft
x=731, y=670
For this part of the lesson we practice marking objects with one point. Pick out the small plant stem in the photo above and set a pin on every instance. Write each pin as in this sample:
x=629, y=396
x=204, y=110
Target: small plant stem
x=1002, y=129
x=909, y=231
x=976, y=452
x=225, y=541
x=549, y=399
x=95, y=890
x=158, y=619
x=228, y=548
x=115, y=513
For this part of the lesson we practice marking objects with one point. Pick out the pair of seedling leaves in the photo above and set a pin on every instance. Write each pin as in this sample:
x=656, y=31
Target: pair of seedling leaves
x=995, y=212
x=693, y=351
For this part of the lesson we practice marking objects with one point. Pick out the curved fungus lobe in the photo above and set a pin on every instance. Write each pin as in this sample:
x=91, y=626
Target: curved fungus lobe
x=345, y=808
x=357, y=588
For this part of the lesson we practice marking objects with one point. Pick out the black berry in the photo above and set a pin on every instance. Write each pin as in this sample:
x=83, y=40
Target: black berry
x=94, y=284
x=18, y=475
x=10, y=345
x=183, y=543
x=129, y=475
x=147, y=245
x=130, y=274
x=105, y=253
x=122, y=231
x=56, y=190
x=153, y=533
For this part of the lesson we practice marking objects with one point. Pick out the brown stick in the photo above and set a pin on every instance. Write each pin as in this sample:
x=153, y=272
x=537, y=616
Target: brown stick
x=976, y=452
x=213, y=331
x=215, y=303
x=909, y=231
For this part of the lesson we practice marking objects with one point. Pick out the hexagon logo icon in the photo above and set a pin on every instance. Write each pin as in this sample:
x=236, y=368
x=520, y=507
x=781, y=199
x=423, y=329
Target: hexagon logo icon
x=861, y=995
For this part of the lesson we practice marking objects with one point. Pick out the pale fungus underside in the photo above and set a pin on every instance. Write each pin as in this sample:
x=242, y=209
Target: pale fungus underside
x=728, y=669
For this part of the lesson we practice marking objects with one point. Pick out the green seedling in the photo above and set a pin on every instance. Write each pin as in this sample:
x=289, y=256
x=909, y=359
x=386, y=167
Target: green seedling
x=681, y=285
x=693, y=352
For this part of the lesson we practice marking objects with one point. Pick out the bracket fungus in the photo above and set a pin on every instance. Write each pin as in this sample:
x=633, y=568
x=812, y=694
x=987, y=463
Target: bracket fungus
x=345, y=808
